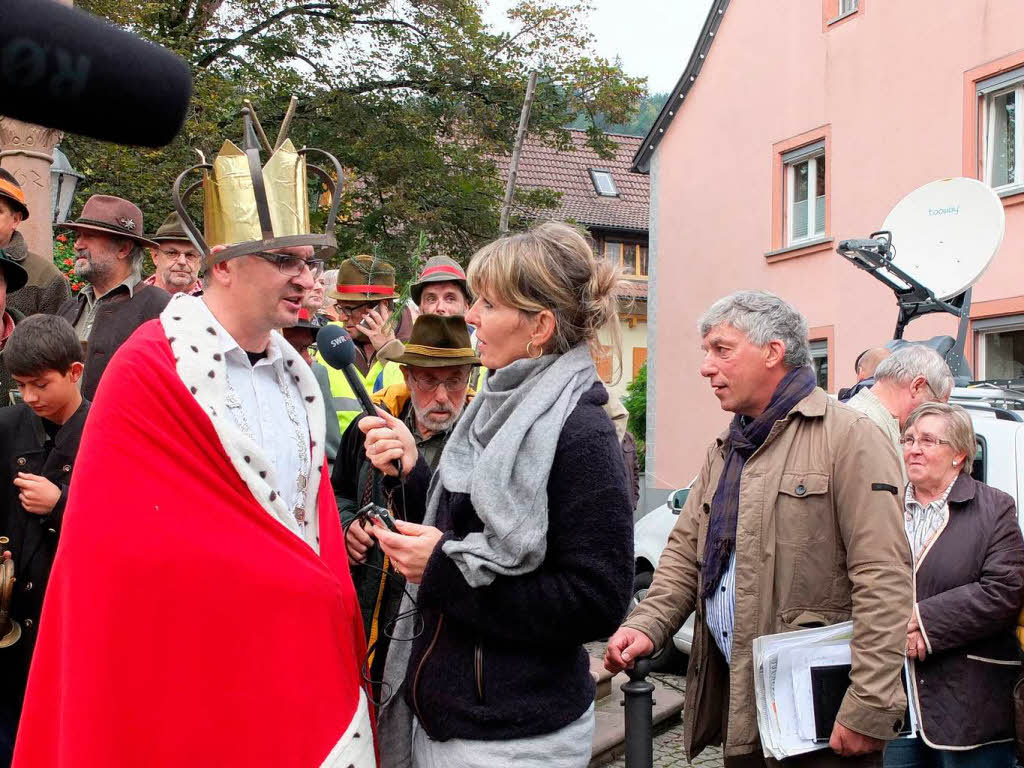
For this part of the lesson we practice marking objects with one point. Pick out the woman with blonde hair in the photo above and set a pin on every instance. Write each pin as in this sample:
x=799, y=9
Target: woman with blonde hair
x=526, y=551
x=968, y=585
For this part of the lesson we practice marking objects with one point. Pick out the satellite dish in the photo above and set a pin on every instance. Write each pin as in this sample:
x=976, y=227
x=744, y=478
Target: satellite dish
x=946, y=233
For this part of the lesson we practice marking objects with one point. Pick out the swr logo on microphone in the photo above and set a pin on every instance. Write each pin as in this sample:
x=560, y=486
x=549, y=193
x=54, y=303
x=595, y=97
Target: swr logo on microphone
x=339, y=340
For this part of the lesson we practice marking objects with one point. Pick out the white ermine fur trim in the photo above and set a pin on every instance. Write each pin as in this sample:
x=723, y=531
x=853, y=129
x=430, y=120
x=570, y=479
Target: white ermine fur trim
x=203, y=370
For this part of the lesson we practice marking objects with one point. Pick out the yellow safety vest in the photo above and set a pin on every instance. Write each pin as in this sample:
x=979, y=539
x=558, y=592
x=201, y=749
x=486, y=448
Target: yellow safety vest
x=380, y=376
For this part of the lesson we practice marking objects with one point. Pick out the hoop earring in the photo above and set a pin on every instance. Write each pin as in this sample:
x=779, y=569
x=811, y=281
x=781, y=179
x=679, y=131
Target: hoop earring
x=529, y=351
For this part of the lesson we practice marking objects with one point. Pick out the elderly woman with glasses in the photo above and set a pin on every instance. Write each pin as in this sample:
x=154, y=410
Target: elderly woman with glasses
x=969, y=565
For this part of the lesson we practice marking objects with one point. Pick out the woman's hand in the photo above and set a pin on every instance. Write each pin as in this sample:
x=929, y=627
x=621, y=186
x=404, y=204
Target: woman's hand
x=410, y=549
x=388, y=439
x=916, y=647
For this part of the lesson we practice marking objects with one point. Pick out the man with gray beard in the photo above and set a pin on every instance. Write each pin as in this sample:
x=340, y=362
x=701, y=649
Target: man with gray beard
x=436, y=367
x=109, y=248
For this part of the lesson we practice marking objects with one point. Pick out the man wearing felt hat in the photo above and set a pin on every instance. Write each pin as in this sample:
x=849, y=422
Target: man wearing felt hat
x=109, y=247
x=176, y=259
x=436, y=365
x=12, y=277
x=46, y=288
x=364, y=298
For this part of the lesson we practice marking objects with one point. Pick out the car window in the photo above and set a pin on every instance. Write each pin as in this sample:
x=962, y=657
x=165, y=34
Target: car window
x=679, y=498
x=978, y=467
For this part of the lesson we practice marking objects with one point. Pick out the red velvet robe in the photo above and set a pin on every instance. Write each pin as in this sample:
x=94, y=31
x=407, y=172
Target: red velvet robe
x=183, y=625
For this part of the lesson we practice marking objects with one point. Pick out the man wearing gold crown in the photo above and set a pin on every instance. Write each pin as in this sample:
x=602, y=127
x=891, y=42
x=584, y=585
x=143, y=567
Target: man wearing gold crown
x=200, y=610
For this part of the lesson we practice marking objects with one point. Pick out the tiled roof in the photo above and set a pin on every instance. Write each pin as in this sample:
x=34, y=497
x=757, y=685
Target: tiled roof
x=543, y=167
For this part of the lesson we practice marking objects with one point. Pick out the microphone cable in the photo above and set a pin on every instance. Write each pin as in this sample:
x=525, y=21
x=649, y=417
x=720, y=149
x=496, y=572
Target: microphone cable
x=388, y=629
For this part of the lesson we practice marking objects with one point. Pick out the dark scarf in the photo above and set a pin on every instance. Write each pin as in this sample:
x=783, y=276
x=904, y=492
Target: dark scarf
x=745, y=437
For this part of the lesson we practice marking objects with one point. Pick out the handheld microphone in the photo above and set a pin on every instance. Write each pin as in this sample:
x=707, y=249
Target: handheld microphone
x=63, y=68
x=339, y=351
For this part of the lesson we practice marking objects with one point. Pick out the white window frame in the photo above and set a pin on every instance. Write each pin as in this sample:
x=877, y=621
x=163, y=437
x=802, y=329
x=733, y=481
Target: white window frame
x=790, y=160
x=848, y=6
x=819, y=350
x=988, y=90
x=595, y=174
x=992, y=325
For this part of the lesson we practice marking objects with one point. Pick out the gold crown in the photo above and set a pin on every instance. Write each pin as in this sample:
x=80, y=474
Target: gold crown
x=248, y=206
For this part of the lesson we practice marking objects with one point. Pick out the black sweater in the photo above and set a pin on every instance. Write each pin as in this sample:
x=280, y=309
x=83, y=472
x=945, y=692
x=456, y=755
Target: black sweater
x=506, y=661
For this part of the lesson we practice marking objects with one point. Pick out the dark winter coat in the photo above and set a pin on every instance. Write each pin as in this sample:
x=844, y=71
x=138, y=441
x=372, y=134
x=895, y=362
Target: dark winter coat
x=507, y=661
x=118, y=314
x=379, y=586
x=969, y=587
x=25, y=447
x=46, y=289
x=7, y=383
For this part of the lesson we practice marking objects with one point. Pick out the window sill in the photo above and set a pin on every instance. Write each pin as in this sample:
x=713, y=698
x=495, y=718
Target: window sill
x=842, y=17
x=796, y=250
x=1011, y=195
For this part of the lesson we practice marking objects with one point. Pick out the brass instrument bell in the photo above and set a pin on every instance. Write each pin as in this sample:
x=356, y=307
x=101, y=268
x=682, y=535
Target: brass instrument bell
x=10, y=630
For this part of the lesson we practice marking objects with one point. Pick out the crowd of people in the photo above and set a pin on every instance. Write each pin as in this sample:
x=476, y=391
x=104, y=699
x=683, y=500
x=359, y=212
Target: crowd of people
x=808, y=512
x=254, y=570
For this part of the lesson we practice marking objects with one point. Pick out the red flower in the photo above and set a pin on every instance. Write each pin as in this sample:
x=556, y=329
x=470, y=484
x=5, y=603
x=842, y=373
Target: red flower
x=62, y=238
x=68, y=262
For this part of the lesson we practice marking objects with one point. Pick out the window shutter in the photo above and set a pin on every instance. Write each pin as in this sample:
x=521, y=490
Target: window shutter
x=604, y=364
x=819, y=215
x=1000, y=81
x=639, y=359
x=804, y=152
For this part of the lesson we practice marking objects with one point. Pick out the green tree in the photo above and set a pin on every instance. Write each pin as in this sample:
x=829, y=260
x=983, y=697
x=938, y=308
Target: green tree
x=413, y=96
x=636, y=403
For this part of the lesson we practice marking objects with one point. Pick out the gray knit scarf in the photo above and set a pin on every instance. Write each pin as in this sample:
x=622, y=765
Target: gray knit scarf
x=500, y=453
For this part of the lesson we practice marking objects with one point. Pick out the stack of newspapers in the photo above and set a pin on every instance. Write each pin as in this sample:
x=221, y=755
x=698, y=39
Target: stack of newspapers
x=800, y=679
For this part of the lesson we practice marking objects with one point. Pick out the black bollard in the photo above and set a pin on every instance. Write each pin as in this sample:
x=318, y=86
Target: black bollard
x=639, y=703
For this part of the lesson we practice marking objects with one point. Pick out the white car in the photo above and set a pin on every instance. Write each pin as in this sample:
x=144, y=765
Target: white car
x=650, y=534
x=998, y=418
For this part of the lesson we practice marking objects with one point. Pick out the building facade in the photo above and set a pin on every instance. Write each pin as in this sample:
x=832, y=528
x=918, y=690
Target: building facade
x=609, y=199
x=796, y=125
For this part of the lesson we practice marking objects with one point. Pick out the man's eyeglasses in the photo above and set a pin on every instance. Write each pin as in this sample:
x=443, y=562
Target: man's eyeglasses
x=452, y=385
x=927, y=442
x=190, y=256
x=292, y=265
x=347, y=310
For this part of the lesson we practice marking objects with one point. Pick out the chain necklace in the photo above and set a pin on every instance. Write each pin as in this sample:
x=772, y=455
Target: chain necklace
x=234, y=404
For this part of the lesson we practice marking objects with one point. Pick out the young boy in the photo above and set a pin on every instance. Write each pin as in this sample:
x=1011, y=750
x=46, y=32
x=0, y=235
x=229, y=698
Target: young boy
x=38, y=443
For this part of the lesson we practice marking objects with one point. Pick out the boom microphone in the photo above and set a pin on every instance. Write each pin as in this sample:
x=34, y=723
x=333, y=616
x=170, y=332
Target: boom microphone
x=63, y=68
x=339, y=351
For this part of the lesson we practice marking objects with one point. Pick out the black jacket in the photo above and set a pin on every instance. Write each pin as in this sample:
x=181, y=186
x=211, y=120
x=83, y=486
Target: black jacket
x=118, y=314
x=968, y=591
x=507, y=661
x=25, y=447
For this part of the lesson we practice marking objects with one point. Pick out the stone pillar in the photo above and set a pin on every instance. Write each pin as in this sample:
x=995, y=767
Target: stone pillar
x=26, y=151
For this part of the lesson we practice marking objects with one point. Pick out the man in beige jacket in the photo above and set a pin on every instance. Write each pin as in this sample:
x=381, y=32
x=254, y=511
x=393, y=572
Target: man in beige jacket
x=794, y=521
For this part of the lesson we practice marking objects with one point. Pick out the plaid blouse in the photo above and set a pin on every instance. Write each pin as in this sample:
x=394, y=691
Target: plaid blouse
x=923, y=522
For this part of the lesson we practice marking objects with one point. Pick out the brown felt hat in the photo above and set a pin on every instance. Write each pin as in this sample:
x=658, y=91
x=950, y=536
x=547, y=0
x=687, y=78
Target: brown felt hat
x=171, y=230
x=362, y=279
x=437, y=341
x=111, y=215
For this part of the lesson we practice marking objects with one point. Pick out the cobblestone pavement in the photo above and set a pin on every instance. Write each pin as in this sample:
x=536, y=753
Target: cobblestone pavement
x=668, y=744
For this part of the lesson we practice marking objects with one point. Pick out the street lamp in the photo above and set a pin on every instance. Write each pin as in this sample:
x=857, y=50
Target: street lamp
x=63, y=183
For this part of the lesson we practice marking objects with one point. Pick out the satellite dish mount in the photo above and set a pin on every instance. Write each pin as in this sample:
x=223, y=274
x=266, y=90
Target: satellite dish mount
x=948, y=232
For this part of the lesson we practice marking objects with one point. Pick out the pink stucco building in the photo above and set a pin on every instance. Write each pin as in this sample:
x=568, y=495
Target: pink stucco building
x=801, y=123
